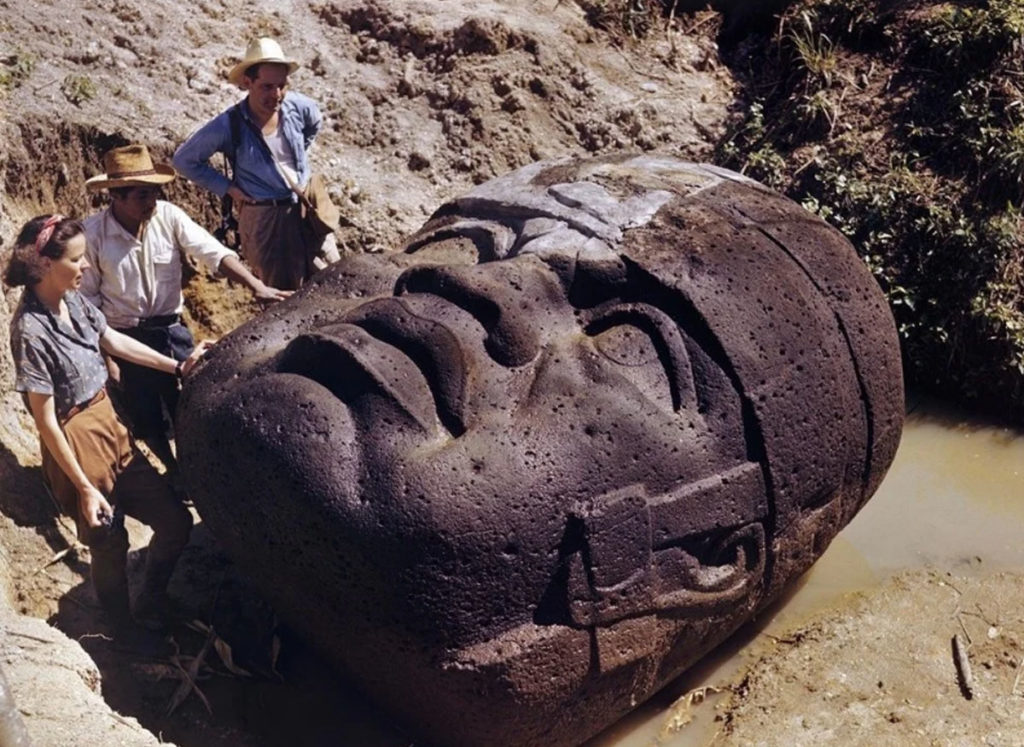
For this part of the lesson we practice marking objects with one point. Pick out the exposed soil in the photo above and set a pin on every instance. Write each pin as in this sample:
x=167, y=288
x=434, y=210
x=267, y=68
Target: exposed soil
x=880, y=668
x=424, y=98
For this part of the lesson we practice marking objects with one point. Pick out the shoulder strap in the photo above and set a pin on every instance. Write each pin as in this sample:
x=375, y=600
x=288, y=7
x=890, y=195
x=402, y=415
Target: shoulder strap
x=235, y=123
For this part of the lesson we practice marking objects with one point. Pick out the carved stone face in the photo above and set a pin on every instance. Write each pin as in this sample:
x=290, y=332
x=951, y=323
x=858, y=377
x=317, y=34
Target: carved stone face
x=590, y=419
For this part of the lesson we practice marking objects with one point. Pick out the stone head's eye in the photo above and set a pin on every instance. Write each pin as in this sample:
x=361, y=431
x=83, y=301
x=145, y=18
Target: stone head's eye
x=461, y=241
x=457, y=250
x=627, y=345
x=648, y=349
x=636, y=353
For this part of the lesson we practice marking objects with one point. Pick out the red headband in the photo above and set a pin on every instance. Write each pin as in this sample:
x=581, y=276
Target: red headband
x=47, y=231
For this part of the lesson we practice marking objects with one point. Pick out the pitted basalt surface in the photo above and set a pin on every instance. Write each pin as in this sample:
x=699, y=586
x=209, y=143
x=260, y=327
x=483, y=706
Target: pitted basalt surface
x=516, y=476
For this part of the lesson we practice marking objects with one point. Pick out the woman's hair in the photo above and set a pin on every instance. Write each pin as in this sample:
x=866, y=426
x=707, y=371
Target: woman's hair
x=25, y=266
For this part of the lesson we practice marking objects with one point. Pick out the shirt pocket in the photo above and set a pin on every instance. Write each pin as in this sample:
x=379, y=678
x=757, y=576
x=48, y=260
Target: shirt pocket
x=167, y=265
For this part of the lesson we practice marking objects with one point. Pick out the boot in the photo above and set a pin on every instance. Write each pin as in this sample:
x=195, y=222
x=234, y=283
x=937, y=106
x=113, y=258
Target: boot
x=153, y=608
x=108, y=547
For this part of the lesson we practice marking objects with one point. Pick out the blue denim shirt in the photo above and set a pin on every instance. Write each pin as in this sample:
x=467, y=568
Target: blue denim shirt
x=255, y=173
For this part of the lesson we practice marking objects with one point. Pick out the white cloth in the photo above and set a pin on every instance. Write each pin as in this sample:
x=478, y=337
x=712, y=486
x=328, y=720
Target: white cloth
x=129, y=279
x=283, y=156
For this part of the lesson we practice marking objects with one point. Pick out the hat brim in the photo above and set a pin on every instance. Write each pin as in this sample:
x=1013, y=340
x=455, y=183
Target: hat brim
x=236, y=73
x=162, y=174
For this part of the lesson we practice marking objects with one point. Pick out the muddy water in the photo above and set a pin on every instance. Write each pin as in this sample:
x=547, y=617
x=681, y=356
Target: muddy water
x=953, y=500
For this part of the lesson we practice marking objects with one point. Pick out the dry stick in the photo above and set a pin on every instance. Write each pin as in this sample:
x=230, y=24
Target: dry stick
x=90, y=636
x=29, y=637
x=188, y=682
x=123, y=720
x=697, y=23
x=668, y=31
x=808, y=162
x=960, y=620
x=1016, y=680
x=56, y=558
x=671, y=15
x=73, y=544
x=41, y=86
x=963, y=667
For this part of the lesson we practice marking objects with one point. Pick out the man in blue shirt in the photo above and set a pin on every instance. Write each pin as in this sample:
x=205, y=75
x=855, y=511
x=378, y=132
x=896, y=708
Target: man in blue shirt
x=266, y=137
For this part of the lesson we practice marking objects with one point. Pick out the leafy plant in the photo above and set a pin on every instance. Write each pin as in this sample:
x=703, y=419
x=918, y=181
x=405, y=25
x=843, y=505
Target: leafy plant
x=632, y=18
x=903, y=125
x=815, y=54
x=78, y=88
x=15, y=69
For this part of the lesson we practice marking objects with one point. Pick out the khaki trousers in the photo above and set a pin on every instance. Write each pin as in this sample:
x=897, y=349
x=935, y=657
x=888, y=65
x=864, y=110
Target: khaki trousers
x=274, y=244
x=105, y=450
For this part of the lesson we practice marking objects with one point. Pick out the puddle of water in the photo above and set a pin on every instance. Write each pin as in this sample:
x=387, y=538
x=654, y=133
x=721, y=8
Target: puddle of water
x=953, y=499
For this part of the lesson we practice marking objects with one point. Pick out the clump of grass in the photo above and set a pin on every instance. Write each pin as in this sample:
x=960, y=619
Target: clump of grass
x=813, y=52
x=627, y=18
x=78, y=88
x=16, y=68
x=752, y=148
x=959, y=39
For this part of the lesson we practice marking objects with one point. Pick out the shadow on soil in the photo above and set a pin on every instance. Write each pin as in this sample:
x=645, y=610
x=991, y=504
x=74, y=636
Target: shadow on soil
x=225, y=672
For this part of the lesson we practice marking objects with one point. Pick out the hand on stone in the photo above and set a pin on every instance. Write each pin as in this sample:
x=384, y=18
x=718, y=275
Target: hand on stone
x=200, y=350
x=265, y=294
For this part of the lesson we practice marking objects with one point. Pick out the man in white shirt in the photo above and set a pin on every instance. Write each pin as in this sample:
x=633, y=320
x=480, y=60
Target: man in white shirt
x=134, y=250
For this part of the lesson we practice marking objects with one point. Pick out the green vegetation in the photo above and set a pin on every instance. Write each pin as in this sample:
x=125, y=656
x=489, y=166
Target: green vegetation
x=902, y=124
x=78, y=88
x=15, y=69
x=632, y=18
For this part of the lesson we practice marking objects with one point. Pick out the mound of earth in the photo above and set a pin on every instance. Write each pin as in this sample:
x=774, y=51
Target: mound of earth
x=882, y=668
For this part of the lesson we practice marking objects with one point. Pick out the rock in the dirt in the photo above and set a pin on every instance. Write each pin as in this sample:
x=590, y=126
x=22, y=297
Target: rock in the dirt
x=56, y=688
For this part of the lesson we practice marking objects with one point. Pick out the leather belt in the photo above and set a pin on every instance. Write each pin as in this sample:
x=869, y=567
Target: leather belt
x=165, y=320
x=277, y=203
x=98, y=397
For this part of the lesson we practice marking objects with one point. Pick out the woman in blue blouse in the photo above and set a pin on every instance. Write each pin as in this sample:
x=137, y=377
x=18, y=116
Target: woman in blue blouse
x=90, y=463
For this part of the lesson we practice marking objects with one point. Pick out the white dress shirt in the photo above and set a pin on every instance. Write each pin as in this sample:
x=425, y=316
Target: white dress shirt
x=131, y=279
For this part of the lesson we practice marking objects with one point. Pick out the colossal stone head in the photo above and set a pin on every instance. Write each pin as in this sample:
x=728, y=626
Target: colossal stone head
x=518, y=475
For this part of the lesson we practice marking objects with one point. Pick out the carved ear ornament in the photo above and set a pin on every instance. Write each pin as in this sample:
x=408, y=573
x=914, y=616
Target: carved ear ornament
x=690, y=550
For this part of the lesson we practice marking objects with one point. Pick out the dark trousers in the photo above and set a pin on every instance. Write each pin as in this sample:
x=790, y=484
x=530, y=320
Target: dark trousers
x=144, y=392
x=140, y=492
x=104, y=450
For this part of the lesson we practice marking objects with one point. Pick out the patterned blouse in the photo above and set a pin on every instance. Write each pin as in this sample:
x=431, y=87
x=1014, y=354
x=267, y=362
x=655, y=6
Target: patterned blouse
x=55, y=357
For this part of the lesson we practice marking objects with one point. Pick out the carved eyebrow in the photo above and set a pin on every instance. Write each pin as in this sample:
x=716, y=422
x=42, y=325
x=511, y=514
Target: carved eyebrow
x=508, y=341
x=668, y=343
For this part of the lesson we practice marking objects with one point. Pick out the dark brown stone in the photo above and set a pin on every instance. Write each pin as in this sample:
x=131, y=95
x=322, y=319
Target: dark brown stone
x=591, y=418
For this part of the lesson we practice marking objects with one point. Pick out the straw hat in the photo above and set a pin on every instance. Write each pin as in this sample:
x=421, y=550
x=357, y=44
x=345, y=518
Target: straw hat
x=260, y=50
x=130, y=166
